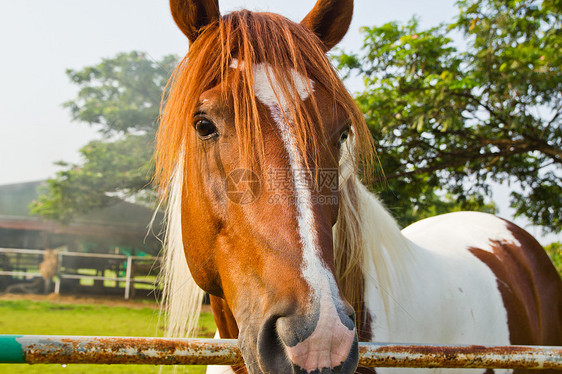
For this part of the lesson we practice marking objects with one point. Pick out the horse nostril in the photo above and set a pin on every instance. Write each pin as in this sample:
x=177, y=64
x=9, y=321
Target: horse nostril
x=347, y=316
x=351, y=314
x=272, y=357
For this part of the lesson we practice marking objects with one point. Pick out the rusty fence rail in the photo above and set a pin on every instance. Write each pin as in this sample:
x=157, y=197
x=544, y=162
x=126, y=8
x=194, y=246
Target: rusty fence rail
x=42, y=349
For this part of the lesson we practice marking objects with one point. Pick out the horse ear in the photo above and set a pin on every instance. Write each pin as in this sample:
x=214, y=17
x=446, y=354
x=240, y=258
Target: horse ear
x=192, y=16
x=329, y=20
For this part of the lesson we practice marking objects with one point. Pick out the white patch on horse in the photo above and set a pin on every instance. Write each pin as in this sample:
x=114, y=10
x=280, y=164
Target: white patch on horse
x=318, y=350
x=472, y=234
x=449, y=295
x=269, y=91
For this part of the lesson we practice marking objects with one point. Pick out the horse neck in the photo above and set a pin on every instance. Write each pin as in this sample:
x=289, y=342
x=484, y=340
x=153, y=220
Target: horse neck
x=369, y=249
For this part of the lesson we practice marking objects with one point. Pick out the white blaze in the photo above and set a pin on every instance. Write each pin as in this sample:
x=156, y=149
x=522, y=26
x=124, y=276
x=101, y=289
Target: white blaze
x=269, y=92
x=329, y=344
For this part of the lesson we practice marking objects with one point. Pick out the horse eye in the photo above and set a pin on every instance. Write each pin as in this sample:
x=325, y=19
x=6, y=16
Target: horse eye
x=343, y=137
x=205, y=129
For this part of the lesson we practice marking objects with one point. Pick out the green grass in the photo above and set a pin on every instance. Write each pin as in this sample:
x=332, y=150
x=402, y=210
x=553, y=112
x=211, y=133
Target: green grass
x=47, y=318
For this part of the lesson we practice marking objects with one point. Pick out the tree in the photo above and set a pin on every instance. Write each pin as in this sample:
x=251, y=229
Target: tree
x=121, y=96
x=454, y=119
x=554, y=251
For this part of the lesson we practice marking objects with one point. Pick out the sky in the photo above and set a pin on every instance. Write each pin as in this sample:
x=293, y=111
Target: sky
x=39, y=40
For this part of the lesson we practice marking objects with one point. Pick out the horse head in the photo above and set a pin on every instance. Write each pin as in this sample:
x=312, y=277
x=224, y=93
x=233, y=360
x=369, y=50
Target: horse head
x=255, y=131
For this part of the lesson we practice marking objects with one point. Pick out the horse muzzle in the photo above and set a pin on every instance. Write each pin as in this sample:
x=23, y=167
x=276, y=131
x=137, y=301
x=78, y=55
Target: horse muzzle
x=323, y=341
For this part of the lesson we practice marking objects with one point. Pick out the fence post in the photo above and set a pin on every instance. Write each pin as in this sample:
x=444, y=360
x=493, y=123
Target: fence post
x=128, y=275
x=59, y=275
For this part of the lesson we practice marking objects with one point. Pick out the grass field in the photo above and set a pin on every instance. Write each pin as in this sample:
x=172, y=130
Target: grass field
x=98, y=318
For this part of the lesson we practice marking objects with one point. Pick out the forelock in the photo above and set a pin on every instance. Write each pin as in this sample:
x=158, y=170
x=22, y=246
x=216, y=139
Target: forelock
x=275, y=46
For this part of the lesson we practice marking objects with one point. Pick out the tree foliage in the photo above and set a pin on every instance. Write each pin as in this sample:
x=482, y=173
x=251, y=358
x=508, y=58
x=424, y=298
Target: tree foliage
x=554, y=251
x=454, y=119
x=121, y=97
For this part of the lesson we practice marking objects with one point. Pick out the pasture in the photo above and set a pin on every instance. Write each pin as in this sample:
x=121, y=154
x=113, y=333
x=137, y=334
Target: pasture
x=67, y=316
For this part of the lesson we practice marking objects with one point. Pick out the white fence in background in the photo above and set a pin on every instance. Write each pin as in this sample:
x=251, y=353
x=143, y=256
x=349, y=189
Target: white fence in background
x=128, y=263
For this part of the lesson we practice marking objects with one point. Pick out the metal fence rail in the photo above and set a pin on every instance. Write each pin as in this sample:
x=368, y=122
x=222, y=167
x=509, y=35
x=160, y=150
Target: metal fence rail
x=36, y=349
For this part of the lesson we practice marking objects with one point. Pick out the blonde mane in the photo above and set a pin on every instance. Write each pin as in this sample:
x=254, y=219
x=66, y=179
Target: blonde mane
x=181, y=297
x=254, y=38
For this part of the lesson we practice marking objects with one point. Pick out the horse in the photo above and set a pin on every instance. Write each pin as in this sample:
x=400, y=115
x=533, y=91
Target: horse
x=258, y=158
